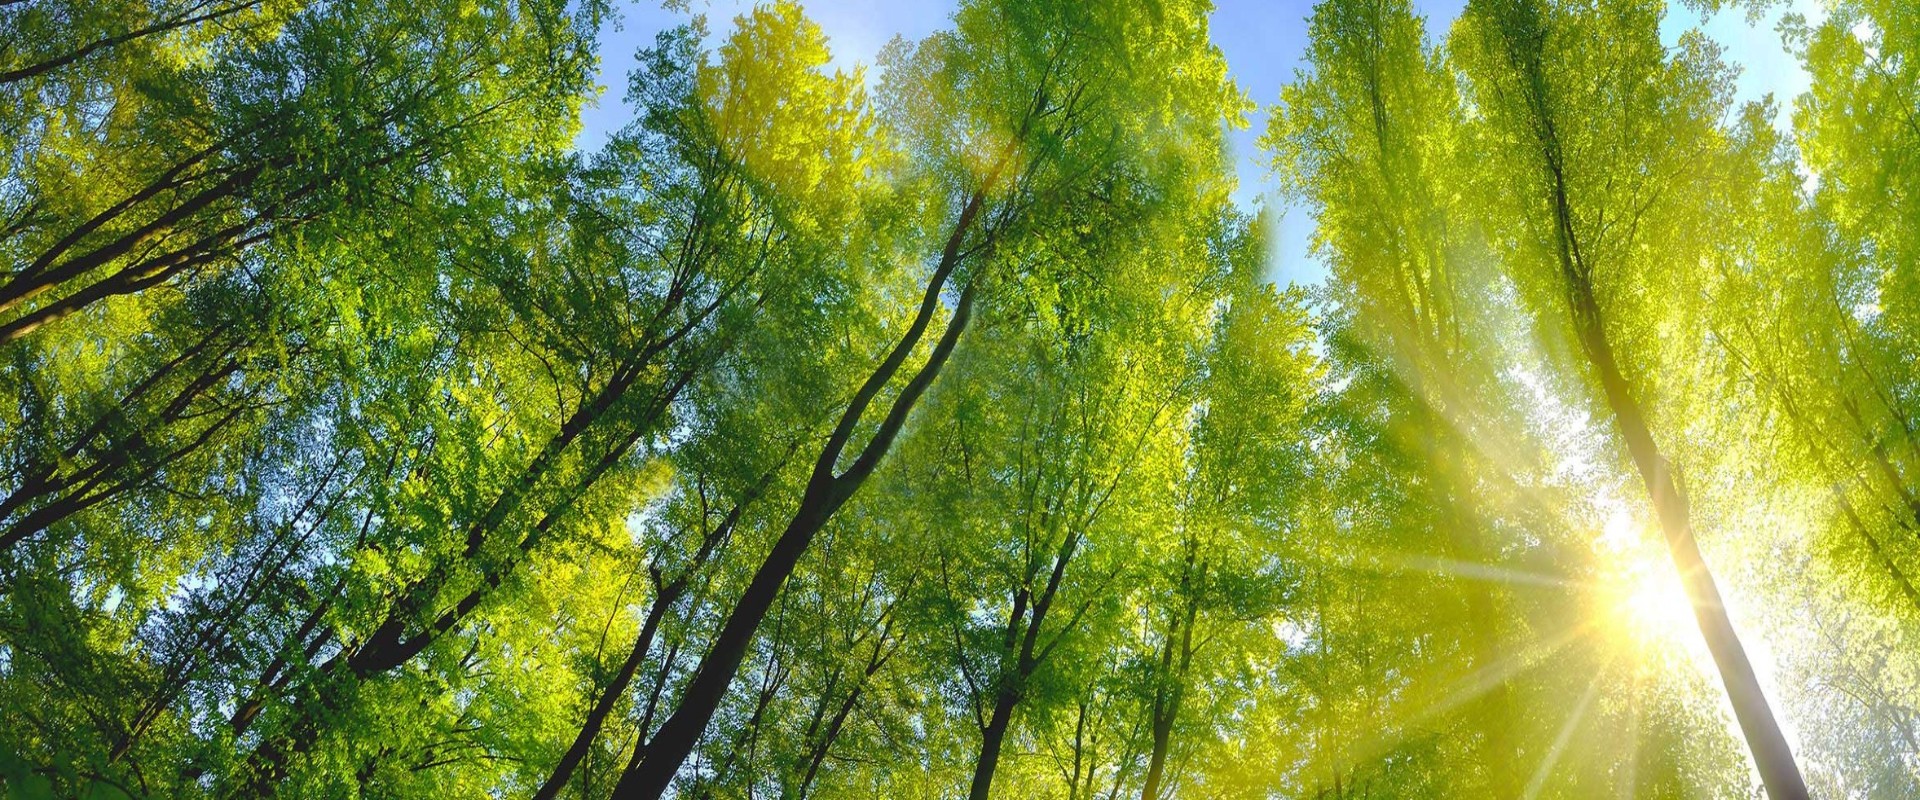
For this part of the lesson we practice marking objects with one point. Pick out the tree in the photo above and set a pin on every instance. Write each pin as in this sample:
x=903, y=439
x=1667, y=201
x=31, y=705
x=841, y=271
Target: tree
x=1574, y=190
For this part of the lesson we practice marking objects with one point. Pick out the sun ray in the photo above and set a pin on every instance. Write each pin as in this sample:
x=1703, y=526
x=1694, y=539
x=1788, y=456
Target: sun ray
x=1454, y=568
x=1631, y=742
x=1565, y=736
x=1471, y=687
x=1480, y=681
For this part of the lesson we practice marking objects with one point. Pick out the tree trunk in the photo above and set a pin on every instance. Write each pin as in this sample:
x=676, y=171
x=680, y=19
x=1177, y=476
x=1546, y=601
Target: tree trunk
x=1771, y=754
x=660, y=759
x=665, y=595
x=597, y=716
x=1170, y=690
x=991, y=737
x=1164, y=710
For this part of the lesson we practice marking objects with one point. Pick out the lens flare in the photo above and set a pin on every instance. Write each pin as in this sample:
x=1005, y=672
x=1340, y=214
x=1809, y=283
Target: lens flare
x=1641, y=597
x=1655, y=606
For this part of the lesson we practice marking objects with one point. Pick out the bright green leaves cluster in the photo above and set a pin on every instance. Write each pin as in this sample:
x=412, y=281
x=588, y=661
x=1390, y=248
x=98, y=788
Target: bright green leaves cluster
x=1644, y=191
x=189, y=187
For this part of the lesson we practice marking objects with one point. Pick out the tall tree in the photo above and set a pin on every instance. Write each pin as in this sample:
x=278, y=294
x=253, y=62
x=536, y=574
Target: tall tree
x=1587, y=219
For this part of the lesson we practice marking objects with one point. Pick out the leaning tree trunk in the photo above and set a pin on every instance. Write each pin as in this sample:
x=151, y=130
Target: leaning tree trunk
x=659, y=760
x=1771, y=754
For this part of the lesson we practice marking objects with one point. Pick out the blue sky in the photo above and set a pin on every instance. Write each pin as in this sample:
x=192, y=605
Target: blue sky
x=1263, y=41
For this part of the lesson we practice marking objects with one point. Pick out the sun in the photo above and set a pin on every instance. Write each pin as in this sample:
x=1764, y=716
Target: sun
x=1655, y=608
x=1641, y=595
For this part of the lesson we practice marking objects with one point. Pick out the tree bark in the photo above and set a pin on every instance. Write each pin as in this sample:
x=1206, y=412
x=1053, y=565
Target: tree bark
x=664, y=597
x=991, y=738
x=825, y=493
x=597, y=716
x=1170, y=689
x=1768, y=745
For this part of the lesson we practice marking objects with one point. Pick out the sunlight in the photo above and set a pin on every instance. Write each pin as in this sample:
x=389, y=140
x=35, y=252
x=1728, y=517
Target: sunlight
x=1641, y=597
x=1656, y=608
x=1560, y=740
